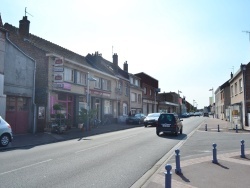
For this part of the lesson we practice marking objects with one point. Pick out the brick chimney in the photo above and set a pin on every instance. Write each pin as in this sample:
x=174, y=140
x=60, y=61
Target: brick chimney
x=1, y=23
x=125, y=66
x=24, y=26
x=115, y=62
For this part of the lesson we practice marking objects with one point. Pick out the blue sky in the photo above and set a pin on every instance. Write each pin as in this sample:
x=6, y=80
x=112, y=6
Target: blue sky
x=187, y=45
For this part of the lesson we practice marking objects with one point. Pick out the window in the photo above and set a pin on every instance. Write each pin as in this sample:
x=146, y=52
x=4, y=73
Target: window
x=235, y=87
x=107, y=107
x=127, y=90
x=136, y=82
x=106, y=84
x=133, y=97
x=139, y=98
x=131, y=80
x=240, y=85
x=98, y=83
x=232, y=91
x=68, y=74
x=120, y=86
x=81, y=78
x=145, y=90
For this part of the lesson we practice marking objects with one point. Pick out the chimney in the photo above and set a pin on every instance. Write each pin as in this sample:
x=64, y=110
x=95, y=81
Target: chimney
x=24, y=25
x=232, y=75
x=115, y=62
x=1, y=23
x=125, y=66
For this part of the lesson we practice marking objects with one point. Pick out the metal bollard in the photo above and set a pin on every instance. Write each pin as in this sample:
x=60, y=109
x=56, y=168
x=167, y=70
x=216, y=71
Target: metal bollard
x=206, y=127
x=218, y=128
x=215, y=154
x=168, y=176
x=242, y=149
x=177, y=161
x=236, y=128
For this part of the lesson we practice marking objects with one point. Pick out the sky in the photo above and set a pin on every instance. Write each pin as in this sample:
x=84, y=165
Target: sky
x=190, y=46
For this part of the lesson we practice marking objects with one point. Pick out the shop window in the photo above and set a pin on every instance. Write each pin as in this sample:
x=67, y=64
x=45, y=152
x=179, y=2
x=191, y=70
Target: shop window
x=107, y=107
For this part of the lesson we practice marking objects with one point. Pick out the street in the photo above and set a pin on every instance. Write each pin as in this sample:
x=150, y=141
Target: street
x=115, y=159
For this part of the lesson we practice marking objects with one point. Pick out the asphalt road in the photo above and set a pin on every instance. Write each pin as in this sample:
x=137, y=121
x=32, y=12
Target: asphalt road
x=110, y=160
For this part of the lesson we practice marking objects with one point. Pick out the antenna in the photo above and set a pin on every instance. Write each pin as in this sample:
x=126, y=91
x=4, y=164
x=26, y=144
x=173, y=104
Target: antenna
x=112, y=51
x=248, y=32
x=27, y=12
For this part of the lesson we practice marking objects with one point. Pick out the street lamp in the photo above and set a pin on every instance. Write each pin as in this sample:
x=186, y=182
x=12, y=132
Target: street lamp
x=88, y=79
x=179, y=101
x=212, y=101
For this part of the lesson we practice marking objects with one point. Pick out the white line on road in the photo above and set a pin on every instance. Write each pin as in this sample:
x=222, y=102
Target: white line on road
x=97, y=146
x=35, y=164
x=124, y=138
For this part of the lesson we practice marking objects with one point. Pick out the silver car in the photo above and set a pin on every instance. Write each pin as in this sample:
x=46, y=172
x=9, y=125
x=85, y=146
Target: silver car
x=6, y=135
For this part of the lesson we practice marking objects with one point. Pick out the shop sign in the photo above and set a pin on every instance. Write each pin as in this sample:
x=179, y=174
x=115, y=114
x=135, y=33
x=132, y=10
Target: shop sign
x=58, y=62
x=58, y=69
x=65, y=86
x=58, y=77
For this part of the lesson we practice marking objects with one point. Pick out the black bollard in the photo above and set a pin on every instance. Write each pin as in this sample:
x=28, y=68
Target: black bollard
x=177, y=161
x=215, y=154
x=218, y=128
x=168, y=176
x=206, y=127
x=236, y=128
x=242, y=149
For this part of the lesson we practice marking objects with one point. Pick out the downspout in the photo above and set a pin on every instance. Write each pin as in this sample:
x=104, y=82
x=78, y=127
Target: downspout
x=33, y=100
x=33, y=94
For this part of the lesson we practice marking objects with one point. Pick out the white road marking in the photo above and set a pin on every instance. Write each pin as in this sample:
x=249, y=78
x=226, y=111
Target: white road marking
x=97, y=146
x=35, y=164
x=124, y=138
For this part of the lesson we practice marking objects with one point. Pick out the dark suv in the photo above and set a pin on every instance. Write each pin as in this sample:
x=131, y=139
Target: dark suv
x=169, y=122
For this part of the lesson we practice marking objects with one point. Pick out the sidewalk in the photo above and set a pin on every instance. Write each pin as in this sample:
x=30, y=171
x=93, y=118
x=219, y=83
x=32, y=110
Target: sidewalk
x=30, y=140
x=196, y=156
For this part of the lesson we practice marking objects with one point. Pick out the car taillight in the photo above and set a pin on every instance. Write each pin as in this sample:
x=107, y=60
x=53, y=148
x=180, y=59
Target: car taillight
x=9, y=126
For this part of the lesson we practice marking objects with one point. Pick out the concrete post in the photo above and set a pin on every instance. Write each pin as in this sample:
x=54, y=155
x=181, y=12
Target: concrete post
x=215, y=154
x=177, y=161
x=242, y=149
x=168, y=176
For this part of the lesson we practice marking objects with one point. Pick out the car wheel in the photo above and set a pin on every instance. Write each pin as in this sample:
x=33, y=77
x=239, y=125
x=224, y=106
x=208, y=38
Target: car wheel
x=145, y=125
x=181, y=130
x=176, y=133
x=158, y=133
x=4, y=140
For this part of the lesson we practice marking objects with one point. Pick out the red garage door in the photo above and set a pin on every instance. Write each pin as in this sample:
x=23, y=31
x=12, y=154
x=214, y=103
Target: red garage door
x=17, y=113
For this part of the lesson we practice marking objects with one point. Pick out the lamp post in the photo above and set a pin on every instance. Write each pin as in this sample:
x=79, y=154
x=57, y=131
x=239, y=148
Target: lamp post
x=179, y=102
x=212, y=101
x=88, y=79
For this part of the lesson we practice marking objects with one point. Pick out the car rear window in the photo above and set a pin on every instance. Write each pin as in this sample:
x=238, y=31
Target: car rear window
x=166, y=118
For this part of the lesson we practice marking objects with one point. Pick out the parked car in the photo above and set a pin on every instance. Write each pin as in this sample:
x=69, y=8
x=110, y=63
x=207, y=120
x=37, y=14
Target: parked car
x=191, y=113
x=151, y=119
x=185, y=115
x=6, y=135
x=169, y=122
x=135, y=119
x=197, y=114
